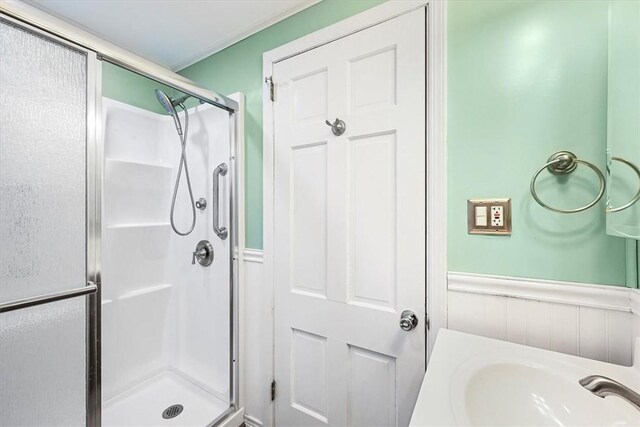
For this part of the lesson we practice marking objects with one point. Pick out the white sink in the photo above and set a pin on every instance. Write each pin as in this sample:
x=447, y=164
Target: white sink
x=473, y=380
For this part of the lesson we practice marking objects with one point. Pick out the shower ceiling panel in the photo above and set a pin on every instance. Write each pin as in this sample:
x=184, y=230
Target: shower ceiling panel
x=173, y=33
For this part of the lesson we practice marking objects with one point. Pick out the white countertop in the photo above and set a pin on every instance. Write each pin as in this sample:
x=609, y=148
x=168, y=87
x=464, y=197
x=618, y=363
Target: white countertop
x=472, y=380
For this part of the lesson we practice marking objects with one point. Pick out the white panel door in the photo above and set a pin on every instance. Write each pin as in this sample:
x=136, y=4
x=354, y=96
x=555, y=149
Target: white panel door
x=349, y=253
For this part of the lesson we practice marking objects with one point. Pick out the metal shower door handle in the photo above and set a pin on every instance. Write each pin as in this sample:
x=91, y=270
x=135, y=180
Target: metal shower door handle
x=221, y=170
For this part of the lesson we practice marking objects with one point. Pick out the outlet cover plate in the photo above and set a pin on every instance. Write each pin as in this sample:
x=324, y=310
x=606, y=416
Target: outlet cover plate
x=504, y=230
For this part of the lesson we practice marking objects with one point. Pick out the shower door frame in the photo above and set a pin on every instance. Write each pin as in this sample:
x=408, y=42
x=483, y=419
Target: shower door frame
x=93, y=176
x=98, y=51
x=95, y=154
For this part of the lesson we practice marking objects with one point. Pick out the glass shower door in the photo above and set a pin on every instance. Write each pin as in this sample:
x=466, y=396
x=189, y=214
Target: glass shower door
x=44, y=105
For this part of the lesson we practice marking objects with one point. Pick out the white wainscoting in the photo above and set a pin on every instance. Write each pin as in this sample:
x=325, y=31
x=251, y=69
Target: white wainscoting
x=593, y=321
x=258, y=342
x=598, y=322
x=635, y=310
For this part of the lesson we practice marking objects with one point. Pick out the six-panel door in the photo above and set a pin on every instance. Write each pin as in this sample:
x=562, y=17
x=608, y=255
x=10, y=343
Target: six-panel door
x=349, y=212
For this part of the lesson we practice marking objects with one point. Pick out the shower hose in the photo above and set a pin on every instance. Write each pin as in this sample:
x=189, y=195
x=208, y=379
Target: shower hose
x=183, y=163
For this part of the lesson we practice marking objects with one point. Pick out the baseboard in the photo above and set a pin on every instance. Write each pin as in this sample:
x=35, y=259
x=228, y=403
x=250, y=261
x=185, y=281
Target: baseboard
x=252, y=422
x=234, y=420
x=582, y=294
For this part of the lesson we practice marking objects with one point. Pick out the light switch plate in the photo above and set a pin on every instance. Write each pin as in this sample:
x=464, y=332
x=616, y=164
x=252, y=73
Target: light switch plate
x=498, y=211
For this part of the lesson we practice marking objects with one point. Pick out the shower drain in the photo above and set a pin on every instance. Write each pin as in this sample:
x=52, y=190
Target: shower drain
x=172, y=411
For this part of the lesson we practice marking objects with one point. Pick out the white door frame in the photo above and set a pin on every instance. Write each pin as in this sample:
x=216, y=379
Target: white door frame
x=436, y=162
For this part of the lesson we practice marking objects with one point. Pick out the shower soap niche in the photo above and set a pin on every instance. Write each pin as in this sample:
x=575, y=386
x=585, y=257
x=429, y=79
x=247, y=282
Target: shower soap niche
x=136, y=193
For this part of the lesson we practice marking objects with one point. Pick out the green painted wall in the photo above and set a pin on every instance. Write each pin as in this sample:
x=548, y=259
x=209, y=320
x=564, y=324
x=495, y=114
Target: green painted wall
x=131, y=88
x=633, y=263
x=526, y=79
x=239, y=69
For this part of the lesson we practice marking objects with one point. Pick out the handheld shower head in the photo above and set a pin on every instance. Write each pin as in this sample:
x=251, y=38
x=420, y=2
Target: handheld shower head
x=166, y=102
x=169, y=106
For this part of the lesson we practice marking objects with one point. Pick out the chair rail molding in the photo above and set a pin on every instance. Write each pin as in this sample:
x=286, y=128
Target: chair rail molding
x=634, y=295
x=253, y=255
x=583, y=294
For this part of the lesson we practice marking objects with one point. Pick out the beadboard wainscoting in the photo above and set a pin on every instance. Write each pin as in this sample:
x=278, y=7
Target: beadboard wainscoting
x=258, y=342
x=598, y=322
x=635, y=310
x=593, y=321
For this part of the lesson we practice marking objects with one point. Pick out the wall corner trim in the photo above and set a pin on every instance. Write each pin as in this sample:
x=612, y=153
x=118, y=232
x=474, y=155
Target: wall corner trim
x=582, y=294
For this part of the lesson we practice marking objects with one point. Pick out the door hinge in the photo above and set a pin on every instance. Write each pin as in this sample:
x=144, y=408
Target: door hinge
x=427, y=322
x=272, y=87
x=273, y=390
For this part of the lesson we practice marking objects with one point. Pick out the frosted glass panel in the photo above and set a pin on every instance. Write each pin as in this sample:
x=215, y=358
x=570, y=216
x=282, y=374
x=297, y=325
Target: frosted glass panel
x=43, y=100
x=42, y=365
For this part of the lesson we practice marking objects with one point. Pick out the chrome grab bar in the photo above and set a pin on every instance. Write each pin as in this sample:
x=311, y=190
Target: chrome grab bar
x=47, y=298
x=221, y=170
x=637, y=196
x=563, y=163
x=604, y=386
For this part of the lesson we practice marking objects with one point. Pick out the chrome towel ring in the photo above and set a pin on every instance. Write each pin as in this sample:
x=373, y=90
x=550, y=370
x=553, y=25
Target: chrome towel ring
x=637, y=196
x=563, y=163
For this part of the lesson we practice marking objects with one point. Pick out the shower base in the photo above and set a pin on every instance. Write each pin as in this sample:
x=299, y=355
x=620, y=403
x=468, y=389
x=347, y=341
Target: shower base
x=144, y=404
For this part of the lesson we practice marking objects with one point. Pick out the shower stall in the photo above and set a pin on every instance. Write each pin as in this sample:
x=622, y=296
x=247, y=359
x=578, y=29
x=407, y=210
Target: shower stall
x=165, y=306
x=119, y=235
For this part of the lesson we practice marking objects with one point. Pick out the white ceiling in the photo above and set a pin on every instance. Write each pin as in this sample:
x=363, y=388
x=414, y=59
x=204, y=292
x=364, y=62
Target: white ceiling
x=174, y=33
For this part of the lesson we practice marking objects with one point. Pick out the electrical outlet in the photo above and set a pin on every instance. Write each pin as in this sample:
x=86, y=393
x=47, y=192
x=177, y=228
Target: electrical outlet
x=481, y=216
x=497, y=216
x=489, y=216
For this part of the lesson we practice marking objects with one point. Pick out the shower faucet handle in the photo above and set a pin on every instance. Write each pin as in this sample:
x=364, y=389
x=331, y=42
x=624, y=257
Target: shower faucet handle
x=198, y=254
x=203, y=253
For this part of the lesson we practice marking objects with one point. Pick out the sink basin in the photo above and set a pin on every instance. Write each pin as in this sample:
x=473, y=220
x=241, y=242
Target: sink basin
x=515, y=393
x=477, y=381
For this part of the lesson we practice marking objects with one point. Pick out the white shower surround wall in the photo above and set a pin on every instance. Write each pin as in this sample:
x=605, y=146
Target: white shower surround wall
x=160, y=313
